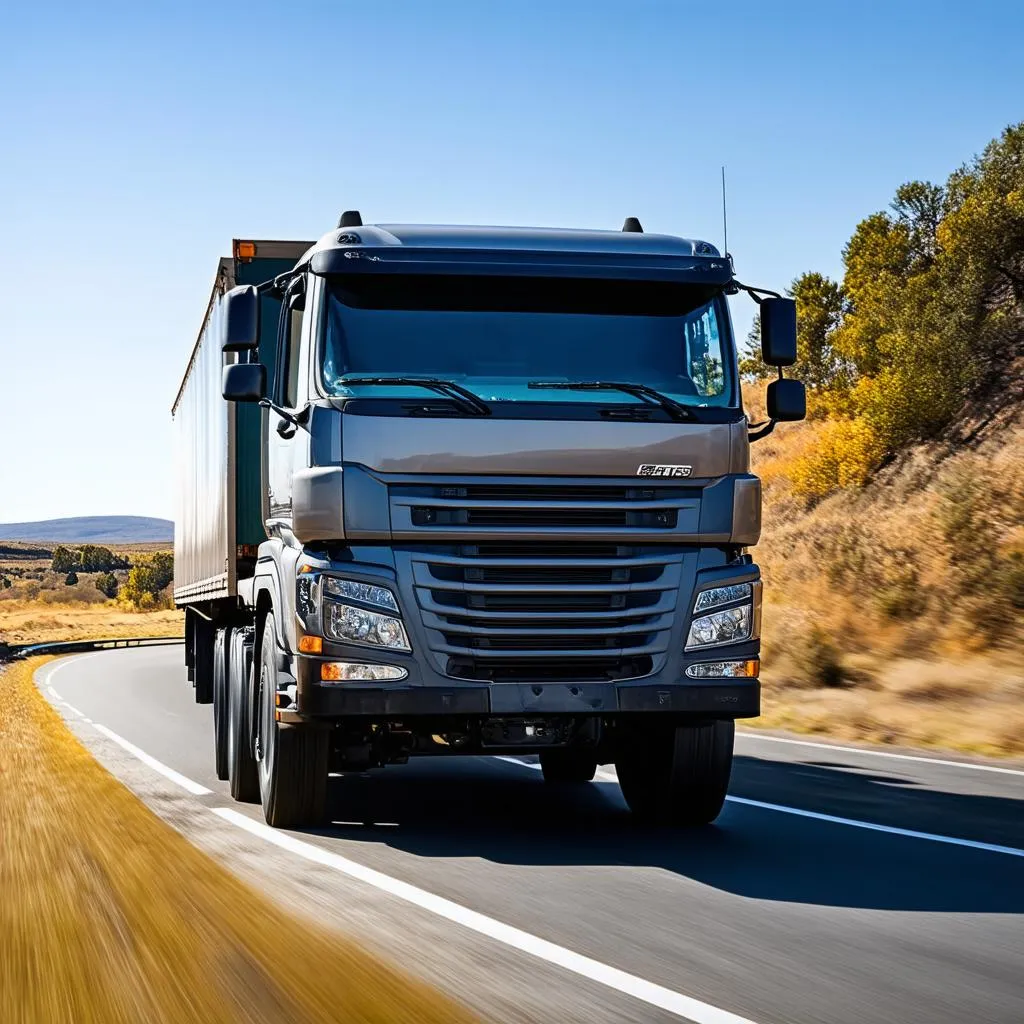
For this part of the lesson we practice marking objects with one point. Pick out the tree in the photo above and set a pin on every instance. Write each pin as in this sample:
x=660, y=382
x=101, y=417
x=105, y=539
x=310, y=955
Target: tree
x=64, y=559
x=147, y=579
x=106, y=584
x=71, y=579
x=94, y=558
x=5, y=583
x=820, y=307
x=919, y=206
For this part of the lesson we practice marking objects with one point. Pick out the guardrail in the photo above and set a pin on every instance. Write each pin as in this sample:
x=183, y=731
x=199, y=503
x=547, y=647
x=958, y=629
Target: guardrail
x=15, y=651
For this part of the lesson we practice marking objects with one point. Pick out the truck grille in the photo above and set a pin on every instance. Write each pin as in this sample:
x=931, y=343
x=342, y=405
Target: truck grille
x=502, y=509
x=539, y=611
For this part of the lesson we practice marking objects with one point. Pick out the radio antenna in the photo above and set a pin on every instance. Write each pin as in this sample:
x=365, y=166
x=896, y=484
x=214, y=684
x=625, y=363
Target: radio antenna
x=725, y=219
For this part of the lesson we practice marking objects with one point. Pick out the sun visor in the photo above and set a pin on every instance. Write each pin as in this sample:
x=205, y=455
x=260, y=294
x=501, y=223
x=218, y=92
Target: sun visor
x=714, y=271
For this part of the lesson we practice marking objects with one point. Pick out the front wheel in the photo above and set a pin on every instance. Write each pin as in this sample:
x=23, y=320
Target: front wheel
x=568, y=766
x=292, y=762
x=677, y=776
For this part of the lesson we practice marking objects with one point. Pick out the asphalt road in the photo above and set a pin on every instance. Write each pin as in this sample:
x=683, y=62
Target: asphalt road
x=769, y=916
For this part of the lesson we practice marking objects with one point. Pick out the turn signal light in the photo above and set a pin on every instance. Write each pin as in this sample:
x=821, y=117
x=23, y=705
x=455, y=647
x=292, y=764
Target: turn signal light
x=310, y=644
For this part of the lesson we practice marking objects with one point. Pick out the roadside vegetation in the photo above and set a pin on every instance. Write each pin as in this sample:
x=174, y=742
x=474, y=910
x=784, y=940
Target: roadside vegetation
x=86, y=592
x=110, y=916
x=894, y=517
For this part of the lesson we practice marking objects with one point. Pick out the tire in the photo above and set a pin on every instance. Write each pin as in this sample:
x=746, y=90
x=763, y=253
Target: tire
x=221, y=650
x=245, y=783
x=678, y=776
x=568, y=766
x=203, y=660
x=292, y=762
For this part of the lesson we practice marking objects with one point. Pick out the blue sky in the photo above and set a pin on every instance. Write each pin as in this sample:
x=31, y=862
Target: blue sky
x=138, y=139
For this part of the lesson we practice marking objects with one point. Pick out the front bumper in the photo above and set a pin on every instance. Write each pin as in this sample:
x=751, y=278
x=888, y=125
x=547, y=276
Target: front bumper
x=730, y=698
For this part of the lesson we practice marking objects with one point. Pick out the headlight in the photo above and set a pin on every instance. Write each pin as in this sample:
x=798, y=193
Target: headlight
x=717, y=596
x=357, y=625
x=368, y=593
x=725, y=627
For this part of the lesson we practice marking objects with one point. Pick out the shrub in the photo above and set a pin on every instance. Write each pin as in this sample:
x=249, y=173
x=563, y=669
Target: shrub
x=106, y=584
x=846, y=453
x=71, y=579
x=818, y=659
x=145, y=582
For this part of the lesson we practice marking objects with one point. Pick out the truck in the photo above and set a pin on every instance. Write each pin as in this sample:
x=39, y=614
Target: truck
x=474, y=491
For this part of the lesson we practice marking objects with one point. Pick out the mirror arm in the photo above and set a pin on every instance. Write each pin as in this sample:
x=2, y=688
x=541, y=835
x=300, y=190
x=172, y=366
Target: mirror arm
x=754, y=293
x=758, y=430
x=290, y=421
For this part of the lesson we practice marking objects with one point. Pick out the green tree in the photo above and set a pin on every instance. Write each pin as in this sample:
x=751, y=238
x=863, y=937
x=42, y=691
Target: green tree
x=820, y=307
x=64, y=559
x=147, y=580
x=71, y=579
x=5, y=583
x=106, y=584
x=94, y=558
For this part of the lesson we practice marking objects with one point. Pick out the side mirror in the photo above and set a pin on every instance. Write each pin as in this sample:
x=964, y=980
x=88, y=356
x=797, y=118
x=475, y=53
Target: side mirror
x=241, y=319
x=244, y=382
x=787, y=400
x=778, y=331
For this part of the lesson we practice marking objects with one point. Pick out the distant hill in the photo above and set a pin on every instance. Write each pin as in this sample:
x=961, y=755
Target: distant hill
x=92, y=530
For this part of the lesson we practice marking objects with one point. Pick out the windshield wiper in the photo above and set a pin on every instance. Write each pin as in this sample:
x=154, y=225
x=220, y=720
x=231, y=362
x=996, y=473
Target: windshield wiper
x=675, y=409
x=462, y=397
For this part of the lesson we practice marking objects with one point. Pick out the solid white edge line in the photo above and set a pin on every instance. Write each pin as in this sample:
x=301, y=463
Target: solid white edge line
x=158, y=766
x=833, y=819
x=873, y=827
x=654, y=995
x=751, y=735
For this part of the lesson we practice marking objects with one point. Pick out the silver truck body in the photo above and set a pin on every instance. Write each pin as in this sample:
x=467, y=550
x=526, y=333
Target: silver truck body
x=541, y=559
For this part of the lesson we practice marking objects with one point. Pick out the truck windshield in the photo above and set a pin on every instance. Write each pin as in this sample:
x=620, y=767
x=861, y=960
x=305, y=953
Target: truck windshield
x=494, y=335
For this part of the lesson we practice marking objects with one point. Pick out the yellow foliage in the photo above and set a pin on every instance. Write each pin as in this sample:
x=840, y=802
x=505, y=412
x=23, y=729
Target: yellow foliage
x=846, y=453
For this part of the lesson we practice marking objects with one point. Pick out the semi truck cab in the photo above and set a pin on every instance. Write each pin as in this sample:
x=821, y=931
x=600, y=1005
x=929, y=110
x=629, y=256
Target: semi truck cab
x=477, y=491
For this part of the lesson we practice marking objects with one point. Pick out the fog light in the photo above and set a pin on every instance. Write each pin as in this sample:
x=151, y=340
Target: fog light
x=724, y=669
x=351, y=671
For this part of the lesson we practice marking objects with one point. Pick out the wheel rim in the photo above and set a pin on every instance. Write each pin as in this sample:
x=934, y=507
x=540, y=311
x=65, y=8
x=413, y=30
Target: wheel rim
x=260, y=745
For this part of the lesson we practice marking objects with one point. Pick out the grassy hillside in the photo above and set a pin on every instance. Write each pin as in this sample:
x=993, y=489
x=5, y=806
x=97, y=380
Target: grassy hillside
x=895, y=611
x=91, y=530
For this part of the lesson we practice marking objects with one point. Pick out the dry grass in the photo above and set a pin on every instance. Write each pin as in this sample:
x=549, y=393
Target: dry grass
x=913, y=581
x=108, y=915
x=24, y=621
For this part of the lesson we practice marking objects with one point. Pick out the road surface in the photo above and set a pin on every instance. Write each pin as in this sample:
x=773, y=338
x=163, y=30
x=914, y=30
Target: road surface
x=538, y=904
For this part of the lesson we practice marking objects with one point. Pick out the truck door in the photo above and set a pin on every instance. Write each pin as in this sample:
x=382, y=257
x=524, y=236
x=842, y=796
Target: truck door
x=285, y=442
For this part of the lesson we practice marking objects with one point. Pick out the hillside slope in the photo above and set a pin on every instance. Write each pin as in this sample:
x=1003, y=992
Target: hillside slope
x=92, y=530
x=894, y=612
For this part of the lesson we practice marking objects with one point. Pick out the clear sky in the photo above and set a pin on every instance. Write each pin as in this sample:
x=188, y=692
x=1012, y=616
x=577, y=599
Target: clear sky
x=138, y=139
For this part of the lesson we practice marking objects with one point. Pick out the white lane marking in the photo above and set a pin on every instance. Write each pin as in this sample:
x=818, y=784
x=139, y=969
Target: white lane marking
x=157, y=766
x=54, y=694
x=881, y=753
x=872, y=826
x=629, y=984
x=515, y=760
x=972, y=844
